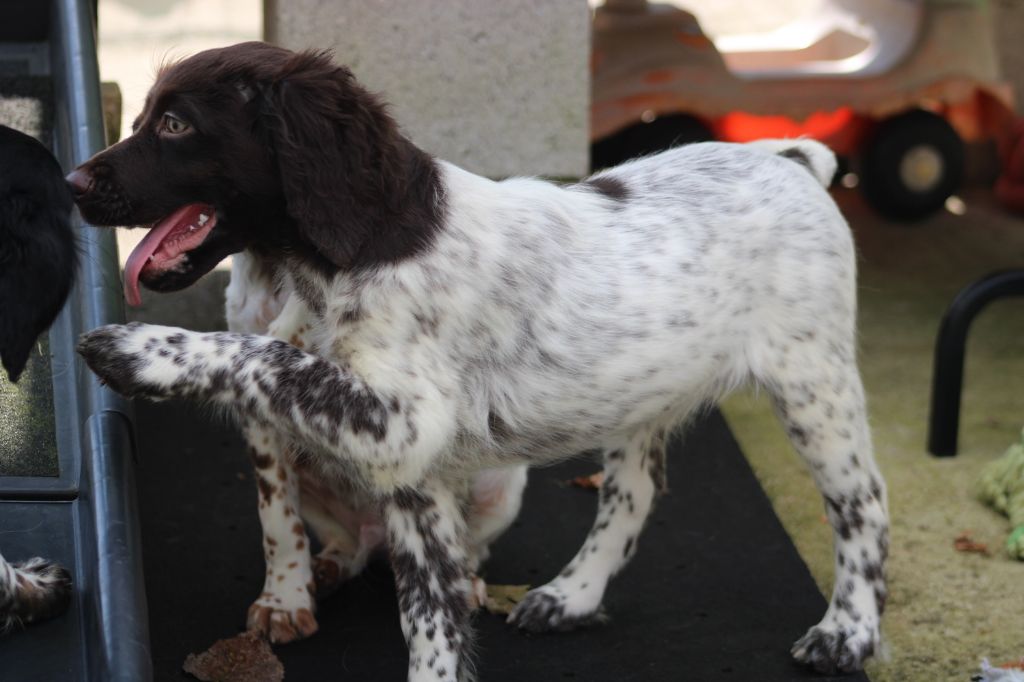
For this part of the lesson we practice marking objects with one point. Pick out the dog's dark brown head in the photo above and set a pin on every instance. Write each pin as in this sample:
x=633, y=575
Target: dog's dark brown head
x=257, y=147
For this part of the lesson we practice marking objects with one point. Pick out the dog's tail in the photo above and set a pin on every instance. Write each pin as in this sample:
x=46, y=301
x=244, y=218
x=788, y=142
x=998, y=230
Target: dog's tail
x=816, y=157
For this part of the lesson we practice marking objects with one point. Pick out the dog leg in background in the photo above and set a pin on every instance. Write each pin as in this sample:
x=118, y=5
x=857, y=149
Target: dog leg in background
x=345, y=550
x=284, y=610
x=820, y=400
x=427, y=539
x=634, y=473
x=496, y=497
x=31, y=591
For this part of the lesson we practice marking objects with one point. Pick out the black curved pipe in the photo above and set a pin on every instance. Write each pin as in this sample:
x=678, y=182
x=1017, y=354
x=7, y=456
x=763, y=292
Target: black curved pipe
x=947, y=378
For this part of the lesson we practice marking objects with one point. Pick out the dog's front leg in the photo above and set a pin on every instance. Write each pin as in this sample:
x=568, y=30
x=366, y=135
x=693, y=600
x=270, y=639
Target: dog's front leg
x=392, y=436
x=284, y=610
x=427, y=539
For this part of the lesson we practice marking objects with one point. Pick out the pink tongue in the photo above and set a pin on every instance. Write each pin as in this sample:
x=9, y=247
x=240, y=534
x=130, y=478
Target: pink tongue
x=184, y=216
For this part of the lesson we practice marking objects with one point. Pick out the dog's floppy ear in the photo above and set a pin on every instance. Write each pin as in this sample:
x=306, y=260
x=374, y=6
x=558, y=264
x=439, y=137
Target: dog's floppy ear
x=37, y=266
x=330, y=139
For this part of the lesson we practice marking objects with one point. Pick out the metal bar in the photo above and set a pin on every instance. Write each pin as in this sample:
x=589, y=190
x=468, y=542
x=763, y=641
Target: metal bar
x=113, y=588
x=120, y=616
x=950, y=345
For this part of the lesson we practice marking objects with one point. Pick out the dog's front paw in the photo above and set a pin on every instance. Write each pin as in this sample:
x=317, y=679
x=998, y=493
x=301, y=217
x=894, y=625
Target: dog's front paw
x=112, y=353
x=139, y=360
x=832, y=649
x=281, y=623
x=43, y=591
x=550, y=607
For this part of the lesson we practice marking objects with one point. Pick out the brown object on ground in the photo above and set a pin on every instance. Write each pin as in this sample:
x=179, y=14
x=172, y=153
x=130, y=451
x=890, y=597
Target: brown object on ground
x=243, y=658
x=965, y=543
x=591, y=482
x=501, y=599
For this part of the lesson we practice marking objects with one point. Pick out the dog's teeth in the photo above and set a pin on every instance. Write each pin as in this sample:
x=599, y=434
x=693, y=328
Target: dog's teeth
x=203, y=218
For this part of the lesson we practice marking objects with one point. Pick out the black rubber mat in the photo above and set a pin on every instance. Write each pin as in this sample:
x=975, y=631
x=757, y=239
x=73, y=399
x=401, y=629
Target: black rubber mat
x=716, y=591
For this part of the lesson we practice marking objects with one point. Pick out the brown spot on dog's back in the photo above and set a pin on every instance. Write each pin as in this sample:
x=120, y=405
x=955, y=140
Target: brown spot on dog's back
x=610, y=187
x=797, y=156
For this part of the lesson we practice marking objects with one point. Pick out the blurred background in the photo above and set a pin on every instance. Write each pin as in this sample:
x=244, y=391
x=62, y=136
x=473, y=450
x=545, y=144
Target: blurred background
x=919, y=98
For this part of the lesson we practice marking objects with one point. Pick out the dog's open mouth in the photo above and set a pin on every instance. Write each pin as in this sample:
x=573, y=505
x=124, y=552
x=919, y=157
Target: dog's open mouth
x=164, y=247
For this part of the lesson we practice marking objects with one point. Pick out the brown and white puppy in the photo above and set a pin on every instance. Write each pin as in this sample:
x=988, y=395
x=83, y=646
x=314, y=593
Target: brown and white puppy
x=213, y=168
x=443, y=325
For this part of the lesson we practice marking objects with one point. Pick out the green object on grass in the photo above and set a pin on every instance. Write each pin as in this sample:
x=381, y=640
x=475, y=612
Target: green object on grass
x=1001, y=485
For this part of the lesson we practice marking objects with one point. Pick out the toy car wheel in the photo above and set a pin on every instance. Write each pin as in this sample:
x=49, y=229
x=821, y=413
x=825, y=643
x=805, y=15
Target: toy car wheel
x=914, y=162
x=660, y=134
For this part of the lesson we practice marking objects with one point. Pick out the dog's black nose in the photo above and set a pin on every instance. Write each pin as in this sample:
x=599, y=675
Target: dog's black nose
x=80, y=181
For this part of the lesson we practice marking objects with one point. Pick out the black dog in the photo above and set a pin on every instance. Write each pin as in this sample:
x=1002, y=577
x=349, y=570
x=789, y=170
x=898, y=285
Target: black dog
x=37, y=268
x=37, y=248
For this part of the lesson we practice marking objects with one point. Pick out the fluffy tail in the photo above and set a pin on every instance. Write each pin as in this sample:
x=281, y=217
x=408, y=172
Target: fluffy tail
x=815, y=156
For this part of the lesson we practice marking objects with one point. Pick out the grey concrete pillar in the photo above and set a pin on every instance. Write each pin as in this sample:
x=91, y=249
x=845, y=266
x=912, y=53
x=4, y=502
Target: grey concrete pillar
x=500, y=87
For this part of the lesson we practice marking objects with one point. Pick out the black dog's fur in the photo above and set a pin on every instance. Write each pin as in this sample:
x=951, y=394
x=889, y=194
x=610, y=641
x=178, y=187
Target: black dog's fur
x=37, y=248
x=37, y=268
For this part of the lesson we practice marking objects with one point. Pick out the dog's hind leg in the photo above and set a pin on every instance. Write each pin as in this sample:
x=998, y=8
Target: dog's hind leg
x=284, y=610
x=634, y=473
x=818, y=396
x=427, y=537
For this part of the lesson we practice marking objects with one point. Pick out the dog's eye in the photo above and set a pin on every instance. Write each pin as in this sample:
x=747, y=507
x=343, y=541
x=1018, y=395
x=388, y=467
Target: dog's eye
x=173, y=125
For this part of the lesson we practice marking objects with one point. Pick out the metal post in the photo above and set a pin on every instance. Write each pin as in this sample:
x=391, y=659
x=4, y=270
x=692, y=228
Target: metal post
x=947, y=381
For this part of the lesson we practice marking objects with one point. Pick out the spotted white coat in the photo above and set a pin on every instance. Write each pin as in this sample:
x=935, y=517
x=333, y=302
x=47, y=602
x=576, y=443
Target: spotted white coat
x=542, y=321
